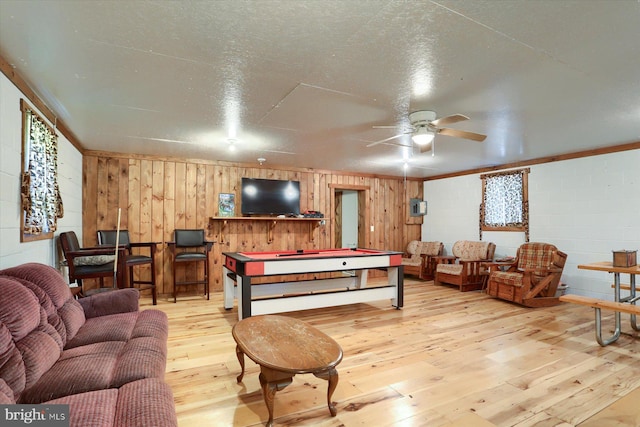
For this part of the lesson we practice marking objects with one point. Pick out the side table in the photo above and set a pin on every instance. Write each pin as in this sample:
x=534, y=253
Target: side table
x=283, y=347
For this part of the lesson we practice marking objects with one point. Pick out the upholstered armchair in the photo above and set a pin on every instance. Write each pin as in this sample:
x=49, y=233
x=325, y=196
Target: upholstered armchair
x=532, y=279
x=418, y=259
x=466, y=267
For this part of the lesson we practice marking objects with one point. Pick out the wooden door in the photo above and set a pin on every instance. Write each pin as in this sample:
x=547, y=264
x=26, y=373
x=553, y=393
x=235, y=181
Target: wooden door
x=337, y=215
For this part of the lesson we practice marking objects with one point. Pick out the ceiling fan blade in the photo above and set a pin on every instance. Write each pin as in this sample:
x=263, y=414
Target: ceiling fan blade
x=462, y=134
x=427, y=148
x=384, y=127
x=385, y=140
x=454, y=118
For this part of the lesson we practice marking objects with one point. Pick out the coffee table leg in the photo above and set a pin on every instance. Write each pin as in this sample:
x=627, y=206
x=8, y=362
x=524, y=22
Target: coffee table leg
x=240, y=356
x=272, y=381
x=332, y=376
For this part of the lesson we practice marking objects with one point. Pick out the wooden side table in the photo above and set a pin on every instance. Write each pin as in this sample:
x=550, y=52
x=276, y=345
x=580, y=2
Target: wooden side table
x=283, y=347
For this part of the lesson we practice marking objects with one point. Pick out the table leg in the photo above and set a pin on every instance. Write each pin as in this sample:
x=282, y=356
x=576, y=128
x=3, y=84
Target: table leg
x=616, y=284
x=244, y=296
x=616, y=333
x=632, y=296
x=395, y=279
x=272, y=381
x=240, y=356
x=332, y=377
x=228, y=288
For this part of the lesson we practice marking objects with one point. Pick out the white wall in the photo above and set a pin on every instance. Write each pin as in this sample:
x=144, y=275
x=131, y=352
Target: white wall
x=12, y=251
x=586, y=207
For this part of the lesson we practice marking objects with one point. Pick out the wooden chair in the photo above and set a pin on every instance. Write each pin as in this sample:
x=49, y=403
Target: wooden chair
x=190, y=246
x=418, y=259
x=92, y=263
x=108, y=237
x=532, y=279
x=466, y=268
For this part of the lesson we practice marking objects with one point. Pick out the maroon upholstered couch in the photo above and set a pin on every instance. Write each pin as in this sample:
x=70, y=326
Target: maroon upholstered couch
x=100, y=355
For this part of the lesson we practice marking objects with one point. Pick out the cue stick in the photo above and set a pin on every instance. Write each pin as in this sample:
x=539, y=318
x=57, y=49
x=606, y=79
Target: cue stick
x=115, y=261
x=298, y=254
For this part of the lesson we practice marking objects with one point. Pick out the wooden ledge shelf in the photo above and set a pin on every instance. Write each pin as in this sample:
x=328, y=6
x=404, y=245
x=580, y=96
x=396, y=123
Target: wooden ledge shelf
x=270, y=220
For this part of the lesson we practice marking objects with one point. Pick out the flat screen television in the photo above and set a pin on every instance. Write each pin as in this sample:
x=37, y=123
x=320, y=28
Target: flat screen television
x=270, y=197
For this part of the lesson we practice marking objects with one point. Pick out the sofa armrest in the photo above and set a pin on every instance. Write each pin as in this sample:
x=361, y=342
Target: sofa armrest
x=112, y=302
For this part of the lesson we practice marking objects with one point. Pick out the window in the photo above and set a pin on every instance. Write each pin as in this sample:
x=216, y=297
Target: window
x=505, y=202
x=40, y=196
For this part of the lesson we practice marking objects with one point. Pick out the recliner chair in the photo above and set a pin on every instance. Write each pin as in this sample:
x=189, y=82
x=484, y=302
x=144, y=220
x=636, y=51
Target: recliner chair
x=532, y=279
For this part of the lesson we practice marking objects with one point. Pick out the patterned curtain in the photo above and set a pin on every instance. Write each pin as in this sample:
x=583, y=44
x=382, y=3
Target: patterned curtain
x=503, y=200
x=40, y=194
x=505, y=204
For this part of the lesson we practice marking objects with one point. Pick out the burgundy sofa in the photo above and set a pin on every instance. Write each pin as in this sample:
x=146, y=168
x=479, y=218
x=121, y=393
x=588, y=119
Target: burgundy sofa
x=100, y=355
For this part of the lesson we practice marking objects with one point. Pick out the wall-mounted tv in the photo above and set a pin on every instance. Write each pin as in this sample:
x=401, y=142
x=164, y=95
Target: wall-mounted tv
x=270, y=197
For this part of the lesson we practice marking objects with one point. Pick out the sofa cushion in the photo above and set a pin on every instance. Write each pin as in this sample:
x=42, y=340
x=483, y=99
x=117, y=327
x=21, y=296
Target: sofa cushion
x=122, y=327
x=412, y=248
x=20, y=310
x=78, y=370
x=29, y=345
x=107, y=352
x=64, y=313
x=157, y=410
x=415, y=261
x=93, y=260
x=413, y=251
x=142, y=403
x=92, y=409
x=455, y=269
x=469, y=250
x=6, y=394
x=430, y=248
x=507, y=278
x=116, y=327
x=532, y=256
x=106, y=303
x=144, y=357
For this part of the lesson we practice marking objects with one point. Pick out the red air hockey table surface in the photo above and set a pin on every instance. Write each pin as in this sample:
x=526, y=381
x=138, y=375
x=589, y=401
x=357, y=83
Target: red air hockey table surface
x=265, y=298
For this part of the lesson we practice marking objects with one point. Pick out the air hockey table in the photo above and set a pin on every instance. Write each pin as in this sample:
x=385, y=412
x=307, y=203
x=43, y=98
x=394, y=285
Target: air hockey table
x=350, y=287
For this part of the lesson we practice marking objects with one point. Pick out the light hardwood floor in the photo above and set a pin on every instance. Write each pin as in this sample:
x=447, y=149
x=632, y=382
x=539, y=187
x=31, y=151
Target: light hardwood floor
x=446, y=359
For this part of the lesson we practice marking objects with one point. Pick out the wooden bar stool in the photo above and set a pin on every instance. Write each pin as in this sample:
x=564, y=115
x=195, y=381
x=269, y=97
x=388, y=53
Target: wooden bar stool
x=190, y=246
x=108, y=237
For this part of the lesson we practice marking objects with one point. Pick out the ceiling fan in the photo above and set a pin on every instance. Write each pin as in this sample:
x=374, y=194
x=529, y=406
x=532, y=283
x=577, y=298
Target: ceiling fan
x=425, y=126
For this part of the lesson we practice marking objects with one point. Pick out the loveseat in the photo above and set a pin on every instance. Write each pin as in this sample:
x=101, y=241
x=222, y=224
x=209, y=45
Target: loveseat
x=418, y=257
x=466, y=266
x=100, y=355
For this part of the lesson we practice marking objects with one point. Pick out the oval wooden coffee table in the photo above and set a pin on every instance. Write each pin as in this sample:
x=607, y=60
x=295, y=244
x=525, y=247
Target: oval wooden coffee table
x=283, y=347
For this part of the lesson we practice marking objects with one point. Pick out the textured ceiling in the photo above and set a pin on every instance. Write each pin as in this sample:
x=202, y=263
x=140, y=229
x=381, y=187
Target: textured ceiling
x=301, y=83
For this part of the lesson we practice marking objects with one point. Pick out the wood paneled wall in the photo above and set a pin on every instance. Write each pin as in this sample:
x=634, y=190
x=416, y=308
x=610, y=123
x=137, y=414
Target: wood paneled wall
x=157, y=196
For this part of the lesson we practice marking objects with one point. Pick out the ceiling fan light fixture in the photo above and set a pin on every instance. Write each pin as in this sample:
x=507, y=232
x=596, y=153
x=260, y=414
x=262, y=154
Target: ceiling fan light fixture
x=423, y=136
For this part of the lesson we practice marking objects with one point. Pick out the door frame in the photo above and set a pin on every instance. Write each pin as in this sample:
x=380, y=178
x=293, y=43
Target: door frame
x=363, y=212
